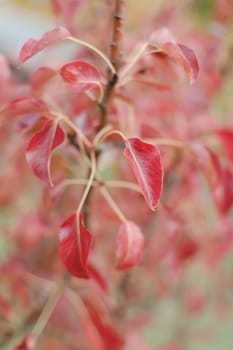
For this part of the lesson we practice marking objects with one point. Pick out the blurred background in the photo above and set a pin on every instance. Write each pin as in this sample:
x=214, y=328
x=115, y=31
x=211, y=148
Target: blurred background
x=200, y=311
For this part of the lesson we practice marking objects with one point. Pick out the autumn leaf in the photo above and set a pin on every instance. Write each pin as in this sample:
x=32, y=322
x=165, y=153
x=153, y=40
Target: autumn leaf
x=40, y=148
x=80, y=76
x=183, y=56
x=33, y=46
x=145, y=162
x=74, y=246
x=129, y=245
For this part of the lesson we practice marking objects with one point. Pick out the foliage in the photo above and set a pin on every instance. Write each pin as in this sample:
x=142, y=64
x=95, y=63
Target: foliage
x=128, y=159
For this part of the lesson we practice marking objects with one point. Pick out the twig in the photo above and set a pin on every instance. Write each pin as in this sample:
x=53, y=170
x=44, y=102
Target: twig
x=115, y=57
x=117, y=34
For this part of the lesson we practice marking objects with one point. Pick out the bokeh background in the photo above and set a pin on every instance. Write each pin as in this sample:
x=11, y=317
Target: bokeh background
x=203, y=316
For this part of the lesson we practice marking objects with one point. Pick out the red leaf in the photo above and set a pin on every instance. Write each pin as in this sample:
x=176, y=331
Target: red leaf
x=28, y=343
x=75, y=246
x=130, y=244
x=100, y=318
x=80, y=75
x=184, y=56
x=187, y=248
x=145, y=162
x=41, y=146
x=24, y=107
x=33, y=46
x=226, y=137
x=219, y=176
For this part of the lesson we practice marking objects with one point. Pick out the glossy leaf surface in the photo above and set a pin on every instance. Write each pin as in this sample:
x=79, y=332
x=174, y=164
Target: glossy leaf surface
x=80, y=76
x=40, y=148
x=129, y=245
x=33, y=46
x=145, y=162
x=74, y=247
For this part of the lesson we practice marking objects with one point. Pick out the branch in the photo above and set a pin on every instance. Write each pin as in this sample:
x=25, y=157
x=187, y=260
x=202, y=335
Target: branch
x=115, y=57
x=116, y=43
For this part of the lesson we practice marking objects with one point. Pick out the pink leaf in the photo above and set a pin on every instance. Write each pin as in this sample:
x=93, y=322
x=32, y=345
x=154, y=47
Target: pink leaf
x=145, y=162
x=74, y=247
x=33, y=46
x=130, y=244
x=184, y=56
x=80, y=75
x=22, y=107
x=40, y=148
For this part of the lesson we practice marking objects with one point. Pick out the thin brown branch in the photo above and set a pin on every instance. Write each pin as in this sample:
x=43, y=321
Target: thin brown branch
x=116, y=43
x=115, y=57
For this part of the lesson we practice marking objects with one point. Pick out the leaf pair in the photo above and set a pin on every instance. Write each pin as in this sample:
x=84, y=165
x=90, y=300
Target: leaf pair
x=75, y=243
x=78, y=75
x=145, y=162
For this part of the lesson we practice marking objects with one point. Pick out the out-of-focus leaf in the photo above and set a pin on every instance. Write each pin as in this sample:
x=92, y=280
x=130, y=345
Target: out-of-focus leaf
x=129, y=245
x=33, y=46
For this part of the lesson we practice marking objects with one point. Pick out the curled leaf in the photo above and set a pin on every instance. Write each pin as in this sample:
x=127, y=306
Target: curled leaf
x=183, y=56
x=145, y=162
x=33, y=46
x=129, y=244
x=40, y=148
x=80, y=76
x=74, y=246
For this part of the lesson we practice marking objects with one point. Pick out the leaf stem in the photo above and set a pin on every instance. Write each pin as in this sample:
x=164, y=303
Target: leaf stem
x=113, y=204
x=89, y=183
x=97, y=51
x=132, y=61
x=167, y=142
x=100, y=139
x=48, y=309
x=69, y=122
x=108, y=183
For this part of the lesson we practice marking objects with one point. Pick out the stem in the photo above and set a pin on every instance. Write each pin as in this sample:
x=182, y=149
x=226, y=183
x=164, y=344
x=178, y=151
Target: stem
x=101, y=133
x=115, y=57
x=49, y=307
x=133, y=60
x=89, y=184
x=99, y=140
x=109, y=183
x=117, y=34
x=122, y=184
x=75, y=128
x=113, y=204
x=97, y=51
x=167, y=142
